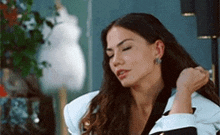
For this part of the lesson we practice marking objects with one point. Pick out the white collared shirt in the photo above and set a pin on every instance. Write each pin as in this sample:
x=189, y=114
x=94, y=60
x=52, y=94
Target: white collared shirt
x=206, y=118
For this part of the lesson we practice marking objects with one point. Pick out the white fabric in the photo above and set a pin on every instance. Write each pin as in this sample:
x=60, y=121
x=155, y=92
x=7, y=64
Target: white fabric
x=68, y=67
x=174, y=121
x=206, y=117
x=74, y=111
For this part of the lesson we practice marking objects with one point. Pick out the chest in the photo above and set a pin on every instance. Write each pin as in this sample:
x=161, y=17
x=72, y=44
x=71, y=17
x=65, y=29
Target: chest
x=138, y=121
x=142, y=123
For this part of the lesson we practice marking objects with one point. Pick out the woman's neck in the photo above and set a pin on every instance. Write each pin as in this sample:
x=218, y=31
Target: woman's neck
x=145, y=95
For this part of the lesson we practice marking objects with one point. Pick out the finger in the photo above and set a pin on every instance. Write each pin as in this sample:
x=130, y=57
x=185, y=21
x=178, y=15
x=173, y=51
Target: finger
x=203, y=71
x=205, y=76
x=203, y=81
x=200, y=68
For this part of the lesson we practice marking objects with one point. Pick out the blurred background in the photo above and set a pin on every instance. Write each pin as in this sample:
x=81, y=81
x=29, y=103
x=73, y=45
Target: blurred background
x=84, y=21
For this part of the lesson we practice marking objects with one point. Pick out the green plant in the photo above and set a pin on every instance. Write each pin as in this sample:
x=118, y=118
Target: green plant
x=21, y=37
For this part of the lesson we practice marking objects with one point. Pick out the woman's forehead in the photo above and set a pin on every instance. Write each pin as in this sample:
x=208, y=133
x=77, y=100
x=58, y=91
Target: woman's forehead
x=118, y=34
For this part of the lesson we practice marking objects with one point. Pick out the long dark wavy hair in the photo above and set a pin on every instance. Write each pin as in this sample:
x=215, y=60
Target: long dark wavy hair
x=109, y=111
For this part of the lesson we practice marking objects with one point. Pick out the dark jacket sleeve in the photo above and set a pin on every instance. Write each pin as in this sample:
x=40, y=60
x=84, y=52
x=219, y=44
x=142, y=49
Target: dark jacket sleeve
x=182, y=131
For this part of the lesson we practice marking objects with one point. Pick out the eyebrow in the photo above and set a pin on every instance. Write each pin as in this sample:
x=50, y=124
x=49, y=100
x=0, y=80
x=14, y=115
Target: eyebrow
x=119, y=44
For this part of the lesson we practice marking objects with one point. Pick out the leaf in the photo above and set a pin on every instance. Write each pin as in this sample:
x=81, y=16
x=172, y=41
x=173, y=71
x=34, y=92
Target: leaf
x=30, y=53
x=36, y=36
x=45, y=64
x=36, y=15
x=29, y=2
x=28, y=9
x=11, y=3
x=19, y=35
x=50, y=24
x=25, y=71
x=7, y=39
x=2, y=52
x=38, y=71
x=25, y=65
x=25, y=16
x=57, y=14
x=38, y=18
x=17, y=59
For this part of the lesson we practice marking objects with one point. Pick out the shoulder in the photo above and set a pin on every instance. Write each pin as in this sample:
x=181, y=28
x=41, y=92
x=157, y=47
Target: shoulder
x=82, y=100
x=74, y=111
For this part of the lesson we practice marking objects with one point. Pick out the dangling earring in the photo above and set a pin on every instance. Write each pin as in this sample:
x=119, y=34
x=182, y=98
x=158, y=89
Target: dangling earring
x=158, y=61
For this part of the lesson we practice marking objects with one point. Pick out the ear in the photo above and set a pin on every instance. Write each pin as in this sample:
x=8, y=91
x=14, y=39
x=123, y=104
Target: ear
x=159, y=47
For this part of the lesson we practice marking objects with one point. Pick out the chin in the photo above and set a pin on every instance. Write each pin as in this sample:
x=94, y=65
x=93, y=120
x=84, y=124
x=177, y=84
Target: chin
x=126, y=83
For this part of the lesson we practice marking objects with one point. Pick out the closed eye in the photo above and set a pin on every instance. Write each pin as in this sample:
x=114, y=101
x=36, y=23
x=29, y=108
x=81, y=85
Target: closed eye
x=127, y=48
x=110, y=55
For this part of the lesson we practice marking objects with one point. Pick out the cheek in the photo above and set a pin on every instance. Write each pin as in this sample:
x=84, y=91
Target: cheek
x=143, y=63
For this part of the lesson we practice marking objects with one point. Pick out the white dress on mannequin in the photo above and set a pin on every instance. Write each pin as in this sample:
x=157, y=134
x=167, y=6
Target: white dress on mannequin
x=67, y=61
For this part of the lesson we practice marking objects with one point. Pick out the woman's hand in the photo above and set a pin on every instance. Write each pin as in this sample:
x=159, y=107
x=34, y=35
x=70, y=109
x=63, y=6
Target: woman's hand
x=189, y=81
x=192, y=79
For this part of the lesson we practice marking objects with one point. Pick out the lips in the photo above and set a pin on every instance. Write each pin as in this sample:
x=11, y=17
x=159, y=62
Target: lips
x=122, y=73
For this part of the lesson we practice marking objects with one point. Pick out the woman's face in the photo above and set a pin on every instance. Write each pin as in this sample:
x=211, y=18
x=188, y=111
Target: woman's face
x=131, y=57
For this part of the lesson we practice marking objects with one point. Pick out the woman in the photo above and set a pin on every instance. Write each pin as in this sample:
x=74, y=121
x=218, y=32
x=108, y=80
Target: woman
x=151, y=86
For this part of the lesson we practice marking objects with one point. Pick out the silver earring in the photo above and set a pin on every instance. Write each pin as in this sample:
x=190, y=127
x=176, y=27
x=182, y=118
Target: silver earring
x=158, y=60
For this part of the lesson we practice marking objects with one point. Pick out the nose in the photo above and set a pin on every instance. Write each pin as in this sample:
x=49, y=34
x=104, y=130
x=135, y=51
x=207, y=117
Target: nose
x=117, y=60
